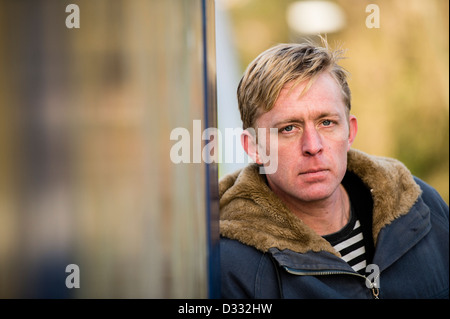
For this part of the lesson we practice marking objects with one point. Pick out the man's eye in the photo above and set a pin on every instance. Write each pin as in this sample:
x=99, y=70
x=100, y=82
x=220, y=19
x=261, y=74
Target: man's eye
x=327, y=123
x=288, y=128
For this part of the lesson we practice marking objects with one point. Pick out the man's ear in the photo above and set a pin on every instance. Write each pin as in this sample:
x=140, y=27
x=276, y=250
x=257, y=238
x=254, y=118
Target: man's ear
x=248, y=141
x=353, y=129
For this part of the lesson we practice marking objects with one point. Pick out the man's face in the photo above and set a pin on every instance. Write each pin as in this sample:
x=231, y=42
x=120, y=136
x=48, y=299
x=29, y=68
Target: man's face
x=314, y=136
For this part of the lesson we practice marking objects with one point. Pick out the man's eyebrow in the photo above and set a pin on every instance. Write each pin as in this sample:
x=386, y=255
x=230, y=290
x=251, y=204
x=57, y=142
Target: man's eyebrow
x=328, y=114
x=288, y=120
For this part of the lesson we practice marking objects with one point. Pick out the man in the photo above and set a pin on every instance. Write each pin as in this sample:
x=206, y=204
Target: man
x=330, y=221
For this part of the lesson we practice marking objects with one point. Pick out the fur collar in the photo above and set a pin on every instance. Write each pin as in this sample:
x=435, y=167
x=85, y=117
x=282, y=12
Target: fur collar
x=251, y=213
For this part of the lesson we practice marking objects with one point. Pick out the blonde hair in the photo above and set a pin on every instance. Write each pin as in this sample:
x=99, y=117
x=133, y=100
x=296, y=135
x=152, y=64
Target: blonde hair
x=282, y=64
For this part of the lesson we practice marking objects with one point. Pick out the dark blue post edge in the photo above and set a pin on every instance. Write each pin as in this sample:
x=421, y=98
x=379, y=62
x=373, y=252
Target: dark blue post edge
x=210, y=120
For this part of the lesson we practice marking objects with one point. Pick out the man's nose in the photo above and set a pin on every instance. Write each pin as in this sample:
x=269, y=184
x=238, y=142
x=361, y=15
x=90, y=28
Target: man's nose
x=311, y=141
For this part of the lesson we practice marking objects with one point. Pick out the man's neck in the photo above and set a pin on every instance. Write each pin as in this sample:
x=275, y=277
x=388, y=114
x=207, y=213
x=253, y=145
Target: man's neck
x=327, y=216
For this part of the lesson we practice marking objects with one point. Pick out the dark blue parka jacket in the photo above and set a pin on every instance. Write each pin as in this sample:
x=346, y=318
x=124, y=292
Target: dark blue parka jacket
x=267, y=252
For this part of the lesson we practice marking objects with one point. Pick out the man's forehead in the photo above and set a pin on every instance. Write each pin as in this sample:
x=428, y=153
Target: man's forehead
x=321, y=96
x=324, y=84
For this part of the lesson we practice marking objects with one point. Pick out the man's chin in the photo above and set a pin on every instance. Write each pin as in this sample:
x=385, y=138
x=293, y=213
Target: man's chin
x=315, y=193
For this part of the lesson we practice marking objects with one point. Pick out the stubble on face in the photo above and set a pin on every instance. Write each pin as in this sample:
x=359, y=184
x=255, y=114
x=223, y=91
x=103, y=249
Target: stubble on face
x=314, y=136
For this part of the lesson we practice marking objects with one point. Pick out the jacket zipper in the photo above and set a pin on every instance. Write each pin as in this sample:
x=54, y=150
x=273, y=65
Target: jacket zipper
x=373, y=286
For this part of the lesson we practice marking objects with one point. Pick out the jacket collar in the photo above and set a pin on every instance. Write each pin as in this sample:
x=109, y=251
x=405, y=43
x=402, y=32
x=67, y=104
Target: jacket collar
x=252, y=214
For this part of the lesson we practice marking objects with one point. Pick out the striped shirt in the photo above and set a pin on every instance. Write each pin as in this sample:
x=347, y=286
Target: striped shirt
x=349, y=242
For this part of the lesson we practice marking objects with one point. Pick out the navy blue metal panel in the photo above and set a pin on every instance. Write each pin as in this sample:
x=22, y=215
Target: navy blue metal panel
x=210, y=119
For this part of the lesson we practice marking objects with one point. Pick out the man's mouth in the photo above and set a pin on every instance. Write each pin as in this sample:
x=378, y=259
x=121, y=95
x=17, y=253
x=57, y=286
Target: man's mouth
x=313, y=171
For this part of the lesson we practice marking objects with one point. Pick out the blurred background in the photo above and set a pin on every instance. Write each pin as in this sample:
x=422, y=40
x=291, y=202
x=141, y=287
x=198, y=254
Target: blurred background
x=86, y=176
x=399, y=71
x=86, y=116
